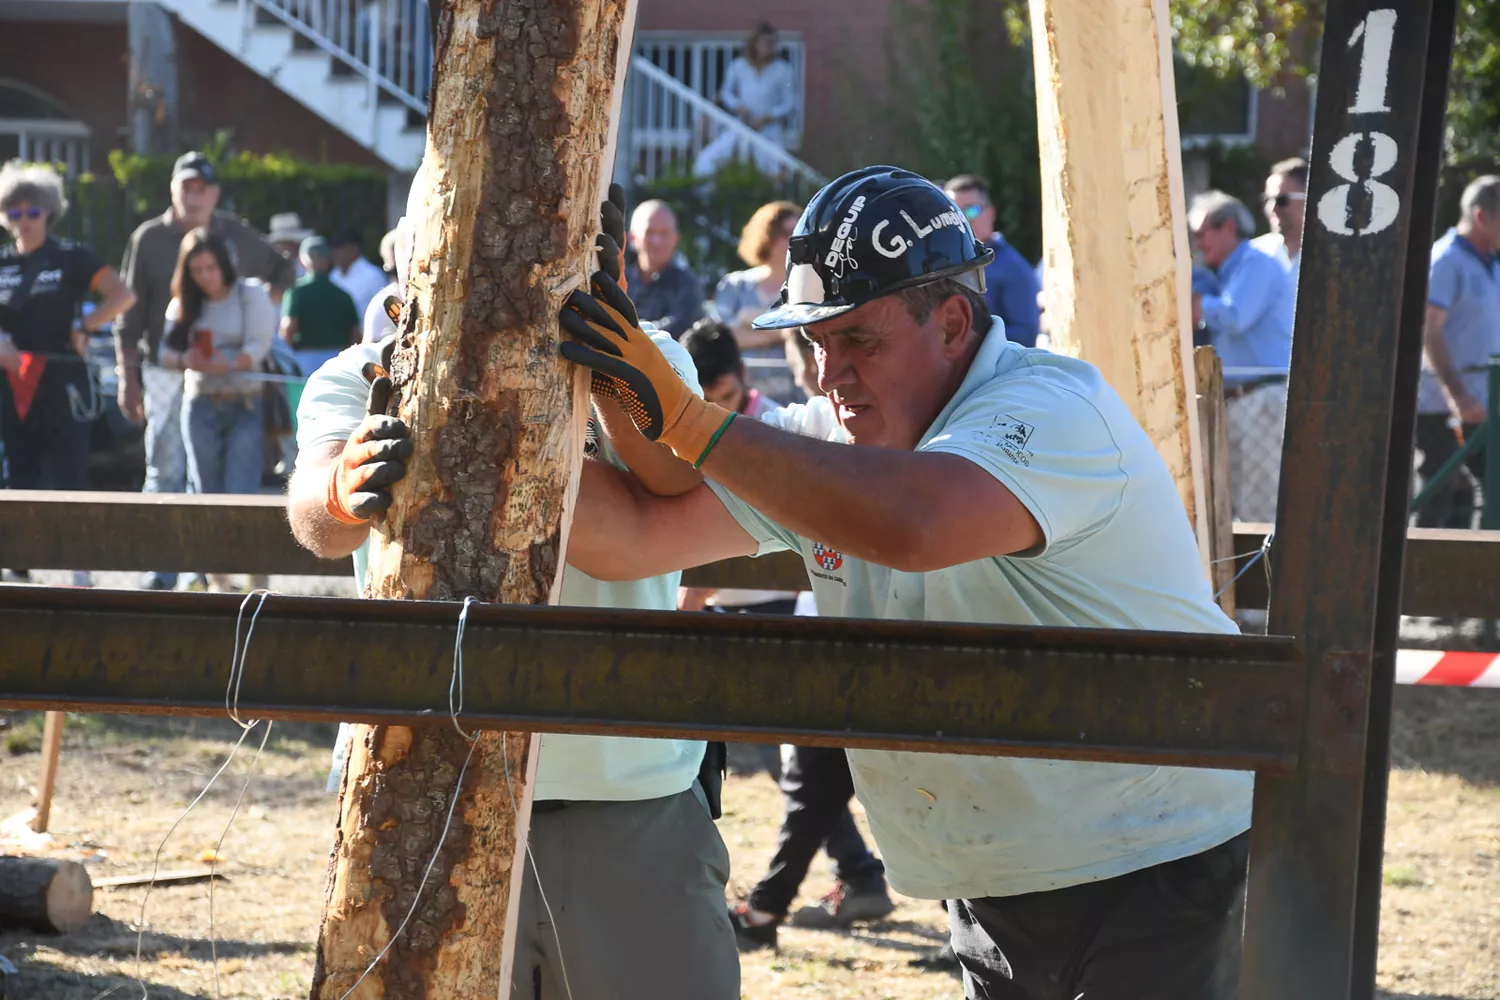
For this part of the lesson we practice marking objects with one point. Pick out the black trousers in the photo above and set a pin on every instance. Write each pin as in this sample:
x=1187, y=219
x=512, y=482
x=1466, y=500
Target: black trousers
x=1453, y=504
x=816, y=785
x=48, y=450
x=1169, y=932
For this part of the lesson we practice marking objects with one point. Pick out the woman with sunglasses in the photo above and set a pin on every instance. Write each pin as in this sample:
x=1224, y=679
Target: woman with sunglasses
x=44, y=281
x=220, y=327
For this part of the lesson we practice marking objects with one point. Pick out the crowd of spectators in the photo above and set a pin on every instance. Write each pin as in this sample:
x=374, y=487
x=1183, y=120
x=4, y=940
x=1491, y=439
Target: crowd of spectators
x=212, y=323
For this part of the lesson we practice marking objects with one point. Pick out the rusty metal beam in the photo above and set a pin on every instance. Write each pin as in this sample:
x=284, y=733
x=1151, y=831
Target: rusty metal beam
x=170, y=532
x=1082, y=694
x=1338, y=584
x=1454, y=573
x=183, y=533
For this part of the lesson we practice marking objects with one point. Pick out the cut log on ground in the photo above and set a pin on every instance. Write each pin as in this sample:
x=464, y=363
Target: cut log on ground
x=1113, y=218
x=504, y=210
x=44, y=894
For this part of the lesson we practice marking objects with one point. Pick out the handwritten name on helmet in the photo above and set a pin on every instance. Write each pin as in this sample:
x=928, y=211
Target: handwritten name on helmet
x=900, y=244
x=843, y=239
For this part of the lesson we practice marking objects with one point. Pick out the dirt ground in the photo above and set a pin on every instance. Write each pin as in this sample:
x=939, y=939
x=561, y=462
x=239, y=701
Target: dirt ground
x=125, y=780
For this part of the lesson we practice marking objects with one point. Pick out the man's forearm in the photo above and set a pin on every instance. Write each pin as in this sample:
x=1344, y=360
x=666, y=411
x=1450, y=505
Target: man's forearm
x=607, y=512
x=654, y=465
x=1435, y=347
x=878, y=504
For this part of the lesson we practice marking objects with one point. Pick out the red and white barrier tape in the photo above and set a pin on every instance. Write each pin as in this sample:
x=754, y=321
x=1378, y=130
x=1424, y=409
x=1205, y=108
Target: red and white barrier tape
x=1422, y=666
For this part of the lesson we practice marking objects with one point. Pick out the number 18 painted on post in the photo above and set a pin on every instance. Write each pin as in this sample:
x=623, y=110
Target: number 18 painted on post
x=1377, y=30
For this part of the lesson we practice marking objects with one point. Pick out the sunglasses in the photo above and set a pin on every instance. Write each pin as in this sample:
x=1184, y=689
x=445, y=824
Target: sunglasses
x=29, y=212
x=1285, y=199
x=972, y=212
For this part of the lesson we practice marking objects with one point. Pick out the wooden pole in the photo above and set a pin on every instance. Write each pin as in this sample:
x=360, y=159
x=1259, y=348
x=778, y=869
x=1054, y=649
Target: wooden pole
x=52, y=727
x=504, y=212
x=1114, y=227
x=1209, y=378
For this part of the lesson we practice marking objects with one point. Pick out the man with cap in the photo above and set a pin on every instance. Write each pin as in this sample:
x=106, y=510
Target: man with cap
x=352, y=272
x=286, y=235
x=988, y=482
x=147, y=391
x=317, y=317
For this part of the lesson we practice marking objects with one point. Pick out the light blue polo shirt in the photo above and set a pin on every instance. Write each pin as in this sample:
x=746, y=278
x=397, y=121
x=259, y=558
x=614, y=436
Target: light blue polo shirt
x=1249, y=316
x=575, y=768
x=1466, y=284
x=1119, y=552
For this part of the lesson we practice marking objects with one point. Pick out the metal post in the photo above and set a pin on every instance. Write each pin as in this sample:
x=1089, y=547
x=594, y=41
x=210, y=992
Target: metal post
x=372, y=60
x=1340, y=543
x=1429, y=163
x=1489, y=518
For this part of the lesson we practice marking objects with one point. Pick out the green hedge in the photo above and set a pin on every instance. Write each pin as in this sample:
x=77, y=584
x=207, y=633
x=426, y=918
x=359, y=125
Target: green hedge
x=105, y=210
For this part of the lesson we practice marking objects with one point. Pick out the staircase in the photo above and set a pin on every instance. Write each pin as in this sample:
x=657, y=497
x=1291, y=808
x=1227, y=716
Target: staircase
x=362, y=68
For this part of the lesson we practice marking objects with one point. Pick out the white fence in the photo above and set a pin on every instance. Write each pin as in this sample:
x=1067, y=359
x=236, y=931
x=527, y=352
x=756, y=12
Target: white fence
x=667, y=125
x=44, y=140
x=699, y=63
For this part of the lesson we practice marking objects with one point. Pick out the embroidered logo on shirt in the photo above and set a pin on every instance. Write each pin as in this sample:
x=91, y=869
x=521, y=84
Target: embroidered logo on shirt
x=829, y=559
x=1011, y=436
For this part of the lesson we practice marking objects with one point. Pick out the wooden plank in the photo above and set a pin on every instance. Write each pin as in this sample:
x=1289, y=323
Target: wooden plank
x=1209, y=379
x=52, y=727
x=504, y=213
x=1113, y=215
x=190, y=876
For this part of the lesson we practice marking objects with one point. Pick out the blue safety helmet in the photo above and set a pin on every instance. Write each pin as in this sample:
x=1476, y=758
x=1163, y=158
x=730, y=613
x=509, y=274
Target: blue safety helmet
x=870, y=233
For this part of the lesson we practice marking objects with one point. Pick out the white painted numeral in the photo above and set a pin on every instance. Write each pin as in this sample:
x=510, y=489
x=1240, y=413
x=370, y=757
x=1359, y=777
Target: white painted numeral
x=1385, y=203
x=1378, y=30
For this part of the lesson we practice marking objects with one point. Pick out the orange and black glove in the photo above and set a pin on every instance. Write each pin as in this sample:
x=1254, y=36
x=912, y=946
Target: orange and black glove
x=611, y=240
x=374, y=458
x=607, y=338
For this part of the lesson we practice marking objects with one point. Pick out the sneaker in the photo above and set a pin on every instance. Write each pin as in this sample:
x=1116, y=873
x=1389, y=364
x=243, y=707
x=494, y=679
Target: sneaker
x=749, y=936
x=15, y=576
x=156, y=581
x=844, y=906
x=83, y=578
x=943, y=959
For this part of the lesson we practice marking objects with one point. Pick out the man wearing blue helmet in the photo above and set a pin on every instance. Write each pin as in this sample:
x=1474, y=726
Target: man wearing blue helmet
x=992, y=483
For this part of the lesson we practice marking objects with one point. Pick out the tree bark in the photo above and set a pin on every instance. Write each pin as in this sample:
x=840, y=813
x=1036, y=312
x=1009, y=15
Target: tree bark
x=505, y=210
x=44, y=894
x=1113, y=218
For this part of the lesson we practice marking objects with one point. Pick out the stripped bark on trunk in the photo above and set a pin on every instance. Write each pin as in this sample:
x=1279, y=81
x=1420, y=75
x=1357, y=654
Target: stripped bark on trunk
x=505, y=209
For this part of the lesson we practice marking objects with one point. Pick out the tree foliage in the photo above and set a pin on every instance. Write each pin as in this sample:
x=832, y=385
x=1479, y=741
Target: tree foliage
x=963, y=100
x=1265, y=40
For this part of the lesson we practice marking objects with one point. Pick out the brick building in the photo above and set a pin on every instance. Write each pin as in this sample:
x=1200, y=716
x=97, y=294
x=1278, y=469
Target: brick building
x=302, y=76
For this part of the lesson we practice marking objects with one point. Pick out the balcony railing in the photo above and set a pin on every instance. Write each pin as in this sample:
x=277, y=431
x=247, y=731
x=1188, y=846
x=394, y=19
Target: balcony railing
x=388, y=42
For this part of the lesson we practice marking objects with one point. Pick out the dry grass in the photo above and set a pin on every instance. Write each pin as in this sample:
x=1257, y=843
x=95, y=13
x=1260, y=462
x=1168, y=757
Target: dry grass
x=124, y=781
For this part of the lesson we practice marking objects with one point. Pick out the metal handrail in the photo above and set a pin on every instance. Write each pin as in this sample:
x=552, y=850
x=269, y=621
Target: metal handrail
x=294, y=15
x=706, y=107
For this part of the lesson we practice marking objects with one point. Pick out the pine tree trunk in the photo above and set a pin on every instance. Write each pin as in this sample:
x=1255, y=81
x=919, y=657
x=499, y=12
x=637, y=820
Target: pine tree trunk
x=505, y=211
